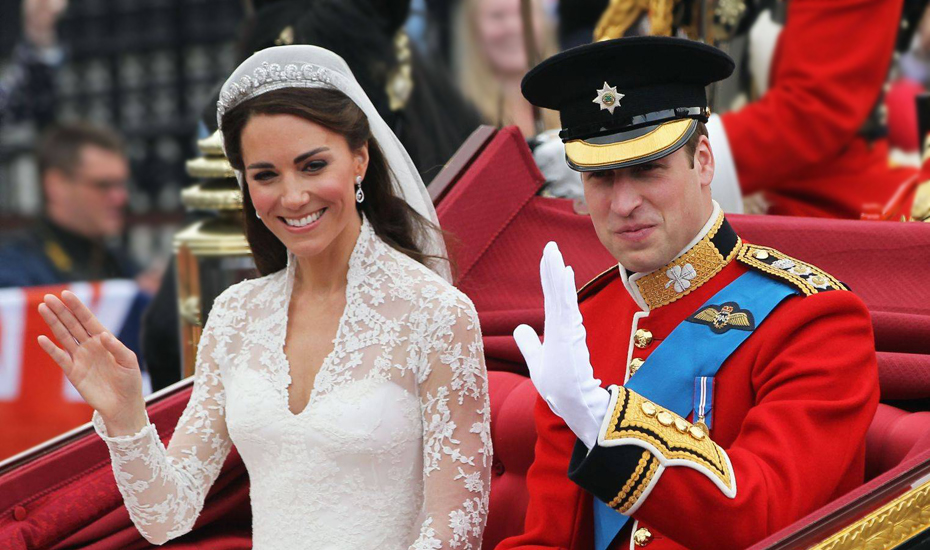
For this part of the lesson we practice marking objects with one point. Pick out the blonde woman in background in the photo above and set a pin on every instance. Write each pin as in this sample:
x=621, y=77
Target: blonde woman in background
x=491, y=60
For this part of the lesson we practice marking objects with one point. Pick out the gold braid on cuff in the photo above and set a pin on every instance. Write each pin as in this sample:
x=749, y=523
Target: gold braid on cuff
x=648, y=464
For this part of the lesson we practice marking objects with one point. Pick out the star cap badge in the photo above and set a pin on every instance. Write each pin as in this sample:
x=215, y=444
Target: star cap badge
x=608, y=98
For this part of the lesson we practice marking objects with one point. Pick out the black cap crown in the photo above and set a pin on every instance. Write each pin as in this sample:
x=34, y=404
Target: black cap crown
x=628, y=100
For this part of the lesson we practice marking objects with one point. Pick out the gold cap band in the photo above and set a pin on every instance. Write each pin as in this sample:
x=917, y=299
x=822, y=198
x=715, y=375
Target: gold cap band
x=660, y=141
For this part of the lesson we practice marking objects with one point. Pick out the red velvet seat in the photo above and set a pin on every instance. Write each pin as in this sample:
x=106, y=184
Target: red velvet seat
x=514, y=437
x=67, y=498
x=893, y=437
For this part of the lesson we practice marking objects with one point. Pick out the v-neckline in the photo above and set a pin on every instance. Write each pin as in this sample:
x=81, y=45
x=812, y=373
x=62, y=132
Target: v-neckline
x=327, y=360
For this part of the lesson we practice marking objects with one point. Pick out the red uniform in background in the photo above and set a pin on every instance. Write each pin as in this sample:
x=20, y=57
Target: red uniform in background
x=800, y=143
x=791, y=409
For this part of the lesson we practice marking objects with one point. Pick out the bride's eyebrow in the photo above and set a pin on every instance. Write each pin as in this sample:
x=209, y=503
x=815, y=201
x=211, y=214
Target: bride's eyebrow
x=298, y=160
x=309, y=154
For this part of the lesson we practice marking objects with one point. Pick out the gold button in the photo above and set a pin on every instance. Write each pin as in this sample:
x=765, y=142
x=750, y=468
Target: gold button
x=635, y=364
x=642, y=537
x=649, y=409
x=642, y=338
x=681, y=425
x=696, y=433
x=665, y=418
x=818, y=280
x=761, y=255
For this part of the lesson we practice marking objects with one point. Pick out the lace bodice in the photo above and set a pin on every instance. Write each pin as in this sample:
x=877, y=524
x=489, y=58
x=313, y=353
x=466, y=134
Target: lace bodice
x=393, y=450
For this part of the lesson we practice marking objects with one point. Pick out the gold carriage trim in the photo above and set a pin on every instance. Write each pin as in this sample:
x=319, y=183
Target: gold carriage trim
x=891, y=525
x=687, y=272
x=673, y=437
x=807, y=278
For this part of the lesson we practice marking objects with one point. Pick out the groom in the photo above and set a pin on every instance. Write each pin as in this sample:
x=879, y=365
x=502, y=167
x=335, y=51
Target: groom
x=709, y=391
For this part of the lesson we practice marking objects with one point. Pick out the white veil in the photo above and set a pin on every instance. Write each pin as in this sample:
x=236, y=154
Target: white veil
x=304, y=66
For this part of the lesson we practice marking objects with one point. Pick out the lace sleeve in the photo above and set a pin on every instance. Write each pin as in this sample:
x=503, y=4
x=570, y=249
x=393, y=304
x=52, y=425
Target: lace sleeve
x=164, y=490
x=456, y=433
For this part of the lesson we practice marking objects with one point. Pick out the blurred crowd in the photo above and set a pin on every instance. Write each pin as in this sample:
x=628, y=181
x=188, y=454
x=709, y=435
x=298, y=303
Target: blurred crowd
x=101, y=104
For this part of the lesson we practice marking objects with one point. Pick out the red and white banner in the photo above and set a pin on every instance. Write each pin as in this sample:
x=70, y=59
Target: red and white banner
x=37, y=402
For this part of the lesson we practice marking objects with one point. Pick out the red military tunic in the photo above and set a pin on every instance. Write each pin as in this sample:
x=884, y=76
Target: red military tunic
x=799, y=143
x=791, y=409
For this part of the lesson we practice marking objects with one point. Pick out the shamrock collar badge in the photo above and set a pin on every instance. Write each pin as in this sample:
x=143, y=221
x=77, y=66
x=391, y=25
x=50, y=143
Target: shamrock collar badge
x=608, y=98
x=680, y=276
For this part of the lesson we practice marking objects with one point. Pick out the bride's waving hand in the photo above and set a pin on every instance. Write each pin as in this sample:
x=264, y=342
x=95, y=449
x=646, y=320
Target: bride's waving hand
x=163, y=489
x=103, y=371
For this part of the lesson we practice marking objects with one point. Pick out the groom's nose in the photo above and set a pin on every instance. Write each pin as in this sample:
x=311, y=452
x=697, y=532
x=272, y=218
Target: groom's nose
x=624, y=196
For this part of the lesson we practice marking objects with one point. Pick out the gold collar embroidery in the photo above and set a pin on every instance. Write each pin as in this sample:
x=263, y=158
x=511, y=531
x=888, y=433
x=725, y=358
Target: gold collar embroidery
x=692, y=269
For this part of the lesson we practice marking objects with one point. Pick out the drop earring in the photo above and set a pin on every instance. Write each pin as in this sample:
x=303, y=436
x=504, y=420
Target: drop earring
x=359, y=194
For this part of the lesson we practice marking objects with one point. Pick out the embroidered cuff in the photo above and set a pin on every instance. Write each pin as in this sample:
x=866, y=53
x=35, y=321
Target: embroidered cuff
x=618, y=475
x=121, y=441
x=637, y=441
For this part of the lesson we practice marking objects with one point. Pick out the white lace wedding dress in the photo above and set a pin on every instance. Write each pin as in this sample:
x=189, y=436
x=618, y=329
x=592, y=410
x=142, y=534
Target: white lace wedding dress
x=393, y=450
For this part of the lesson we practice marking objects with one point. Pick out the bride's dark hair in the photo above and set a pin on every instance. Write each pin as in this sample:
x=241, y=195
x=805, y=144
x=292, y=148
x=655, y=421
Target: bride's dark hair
x=392, y=219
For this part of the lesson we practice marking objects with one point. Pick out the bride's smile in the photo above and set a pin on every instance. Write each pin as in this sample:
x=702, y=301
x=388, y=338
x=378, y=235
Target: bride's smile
x=297, y=224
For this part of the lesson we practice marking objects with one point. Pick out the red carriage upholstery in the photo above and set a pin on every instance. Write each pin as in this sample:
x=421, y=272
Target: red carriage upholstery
x=894, y=436
x=514, y=437
x=67, y=498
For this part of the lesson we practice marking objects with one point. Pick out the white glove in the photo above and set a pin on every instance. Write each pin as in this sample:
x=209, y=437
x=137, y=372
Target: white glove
x=560, y=367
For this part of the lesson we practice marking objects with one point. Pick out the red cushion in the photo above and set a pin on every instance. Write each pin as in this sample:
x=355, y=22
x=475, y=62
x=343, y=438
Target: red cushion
x=513, y=435
x=68, y=498
x=893, y=436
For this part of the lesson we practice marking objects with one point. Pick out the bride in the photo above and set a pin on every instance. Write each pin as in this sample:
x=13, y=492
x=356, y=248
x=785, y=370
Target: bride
x=350, y=376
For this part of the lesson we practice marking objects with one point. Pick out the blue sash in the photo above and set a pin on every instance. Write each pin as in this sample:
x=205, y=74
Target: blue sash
x=692, y=350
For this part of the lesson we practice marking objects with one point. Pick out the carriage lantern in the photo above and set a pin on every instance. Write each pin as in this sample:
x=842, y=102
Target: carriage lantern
x=212, y=253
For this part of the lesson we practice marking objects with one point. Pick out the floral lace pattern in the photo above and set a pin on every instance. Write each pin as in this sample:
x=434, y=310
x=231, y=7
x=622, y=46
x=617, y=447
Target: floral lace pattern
x=393, y=450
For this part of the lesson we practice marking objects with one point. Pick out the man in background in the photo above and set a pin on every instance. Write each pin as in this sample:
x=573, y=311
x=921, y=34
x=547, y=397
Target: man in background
x=84, y=173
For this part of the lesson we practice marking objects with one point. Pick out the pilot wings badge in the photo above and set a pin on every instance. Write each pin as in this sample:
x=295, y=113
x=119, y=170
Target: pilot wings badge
x=725, y=317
